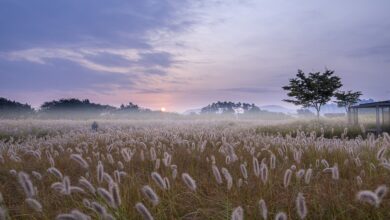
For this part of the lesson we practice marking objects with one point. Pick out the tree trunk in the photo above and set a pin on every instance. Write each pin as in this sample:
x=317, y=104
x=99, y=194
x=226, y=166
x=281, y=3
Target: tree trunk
x=318, y=115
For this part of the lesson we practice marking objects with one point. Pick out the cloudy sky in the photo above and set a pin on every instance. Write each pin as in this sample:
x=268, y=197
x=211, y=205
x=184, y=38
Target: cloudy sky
x=184, y=54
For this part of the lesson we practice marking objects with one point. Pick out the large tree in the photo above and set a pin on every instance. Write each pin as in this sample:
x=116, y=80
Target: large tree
x=312, y=90
x=347, y=99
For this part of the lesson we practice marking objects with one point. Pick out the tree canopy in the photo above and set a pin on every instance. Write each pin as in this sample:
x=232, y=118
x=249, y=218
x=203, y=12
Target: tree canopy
x=312, y=90
x=230, y=107
x=10, y=108
x=347, y=99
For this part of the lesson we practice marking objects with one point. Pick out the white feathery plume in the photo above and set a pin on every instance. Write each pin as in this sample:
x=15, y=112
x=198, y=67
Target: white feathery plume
x=308, y=175
x=25, y=182
x=217, y=174
x=287, y=178
x=256, y=168
x=80, y=160
x=243, y=171
x=335, y=172
x=238, y=213
x=34, y=204
x=228, y=177
x=272, y=161
x=159, y=180
x=381, y=191
x=368, y=197
x=281, y=216
x=300, y=204
x=100, y=172
x=106, y=196
x=66, y=184
x=114, y=190
x=263, y=209
x=150, y=194
x=264, y=172
x=37, y=175
x=187, y=179
x=88, y=185
x=143, y=211
x=55, y=172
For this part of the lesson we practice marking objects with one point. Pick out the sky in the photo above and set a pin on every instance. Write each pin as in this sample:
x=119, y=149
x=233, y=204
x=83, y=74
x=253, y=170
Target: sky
x=185, y=54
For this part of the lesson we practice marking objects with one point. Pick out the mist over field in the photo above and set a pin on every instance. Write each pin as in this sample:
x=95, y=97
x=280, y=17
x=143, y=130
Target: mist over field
x=208, y=109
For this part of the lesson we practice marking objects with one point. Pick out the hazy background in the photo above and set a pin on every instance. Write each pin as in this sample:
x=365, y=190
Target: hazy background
x=187, y=54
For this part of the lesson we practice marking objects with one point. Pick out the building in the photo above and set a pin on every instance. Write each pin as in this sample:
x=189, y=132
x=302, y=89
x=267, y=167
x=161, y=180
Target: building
x=376, y=115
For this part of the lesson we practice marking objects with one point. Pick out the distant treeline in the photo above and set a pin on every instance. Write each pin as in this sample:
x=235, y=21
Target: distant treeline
x=230, y=107
x=74, y=109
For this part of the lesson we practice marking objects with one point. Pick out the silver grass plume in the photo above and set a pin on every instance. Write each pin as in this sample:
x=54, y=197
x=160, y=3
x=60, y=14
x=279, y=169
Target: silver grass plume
x=107, y=197
x=308, y=175
x=153, y=155
x=65, y=217
x=55, y=172
x=114, y=190
x=335, y=172
x=167, y=183
x=228, y=177
x=174, y=173
x=107, y=177
x=143, y=211
x=79, y=159
x=272, y=161
x=100, y=172
x=66, y=184
x=25, y=182
x=217, y=174
x=287, y=178
x=368, y=197
x=79, y=215
x=300, y=174
x=87, y=203
x=300, y=204
x=88, y=185
x=157, y=164
x=120, y=165
x=325, y=163
x=76, y=189
x=3, y=214
x=99, y=209
x=381, y=192
x=381, y=153
x=281, y=216
x=34, y=204
x=263, y=209
x=264, y=172
x=187, y=179
x=256, y=168
x=359, y=181
x=159, y=180
x=238, y=213
x=150, y=194
x=37, y=175
x=243, y=171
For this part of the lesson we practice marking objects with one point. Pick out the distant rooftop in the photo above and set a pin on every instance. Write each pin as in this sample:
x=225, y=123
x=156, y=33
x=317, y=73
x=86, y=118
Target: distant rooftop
x=373, y=104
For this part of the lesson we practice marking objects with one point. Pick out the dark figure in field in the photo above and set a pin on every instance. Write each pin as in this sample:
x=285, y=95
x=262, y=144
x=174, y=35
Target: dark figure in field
x=94, y=126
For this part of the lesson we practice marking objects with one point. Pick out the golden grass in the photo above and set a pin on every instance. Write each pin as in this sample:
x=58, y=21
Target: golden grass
x=192, y=145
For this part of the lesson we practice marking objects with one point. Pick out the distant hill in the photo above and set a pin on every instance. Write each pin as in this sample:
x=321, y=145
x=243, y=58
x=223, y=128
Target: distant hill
x=11, y=109
x=192, y=111
x=278, y=108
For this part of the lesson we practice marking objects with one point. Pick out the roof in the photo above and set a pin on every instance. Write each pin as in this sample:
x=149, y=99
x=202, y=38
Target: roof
x=373, y=104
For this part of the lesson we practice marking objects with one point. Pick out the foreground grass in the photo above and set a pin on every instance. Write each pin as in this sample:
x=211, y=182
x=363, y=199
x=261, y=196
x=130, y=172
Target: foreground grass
x=193, y=147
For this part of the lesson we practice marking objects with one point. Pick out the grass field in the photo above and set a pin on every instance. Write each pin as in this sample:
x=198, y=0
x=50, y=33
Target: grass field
x=192, y=170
